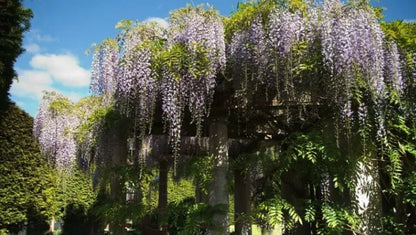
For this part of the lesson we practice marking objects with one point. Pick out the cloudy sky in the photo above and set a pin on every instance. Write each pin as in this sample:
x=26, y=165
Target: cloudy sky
x=63, y=30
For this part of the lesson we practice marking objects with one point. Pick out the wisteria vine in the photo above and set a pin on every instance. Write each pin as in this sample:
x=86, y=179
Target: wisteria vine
x=276, y=48
x=179, y=65
x=53, y=127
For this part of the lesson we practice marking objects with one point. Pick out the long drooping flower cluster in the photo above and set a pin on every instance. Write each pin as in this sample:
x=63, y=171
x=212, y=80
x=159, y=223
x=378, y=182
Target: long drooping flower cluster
x=137, y=86
x=180, y=66
x=352, y=46
x=285, y=30
x=52, y=127
x=392, y=67
x=198, y=34
x=348, y=39
x=247, y=53
x=269, y=48
x=278, y=50
x=104, y=68
x=287, y=33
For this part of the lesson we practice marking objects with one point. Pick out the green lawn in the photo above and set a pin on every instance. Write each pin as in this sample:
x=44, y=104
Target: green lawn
x=256, y=230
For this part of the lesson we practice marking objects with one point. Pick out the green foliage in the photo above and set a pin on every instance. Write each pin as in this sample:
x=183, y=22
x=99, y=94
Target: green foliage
x=22, y=169
x=338, y=219
x=331, y=218
x=397, y=165
x=277, y=211
x=180, y=189
x=93, y=116
x=61, y=106
x=246, y=13
x=79, y=192
x=110, y=210
x=200, y=169
x=15, y=20
x=177, y=59
x=65, y=190
x=402, y=33
x=189, y=218
x=176, y=16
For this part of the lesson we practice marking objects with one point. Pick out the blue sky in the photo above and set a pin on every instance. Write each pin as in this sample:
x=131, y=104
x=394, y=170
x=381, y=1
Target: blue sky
x=62, y=30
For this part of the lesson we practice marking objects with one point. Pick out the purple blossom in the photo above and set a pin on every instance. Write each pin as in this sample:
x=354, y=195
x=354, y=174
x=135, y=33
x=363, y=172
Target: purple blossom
x=104, y=68
x=352, y=46
x=352, y=41
x=392, y=67
x=53, y=128
x=195, y=29
x=285, y=29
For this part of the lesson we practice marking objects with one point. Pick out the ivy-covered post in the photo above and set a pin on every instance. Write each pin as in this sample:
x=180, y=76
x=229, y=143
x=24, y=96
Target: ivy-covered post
x=368, y=196
x=118, y=142
x=218, y=193
x=294, y=190
x=242, y=184
x=163, y=193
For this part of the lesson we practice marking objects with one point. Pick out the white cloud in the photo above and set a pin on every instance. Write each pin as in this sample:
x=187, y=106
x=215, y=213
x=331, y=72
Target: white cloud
x=63, y=68
x=32, y=48
x=162, y=22
x=409, y=20
x=60, y=73
x=35, y=36
x=31, y=84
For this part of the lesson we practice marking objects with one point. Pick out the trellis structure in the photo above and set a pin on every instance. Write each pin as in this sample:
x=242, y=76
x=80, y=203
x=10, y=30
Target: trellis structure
x=289, y=68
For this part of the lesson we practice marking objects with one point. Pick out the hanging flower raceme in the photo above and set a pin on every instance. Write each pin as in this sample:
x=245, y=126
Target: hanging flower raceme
x=352, y=47
x=352, y=44
x=290, y=36
x=137, y=85
x=247, y=53
x=195, y=54
x=392, y=67
x=104, y=69
x=285, y=30
x=53, y=127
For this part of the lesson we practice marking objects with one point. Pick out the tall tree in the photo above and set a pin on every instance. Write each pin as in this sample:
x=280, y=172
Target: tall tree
x=15, y=20
x=23, y=172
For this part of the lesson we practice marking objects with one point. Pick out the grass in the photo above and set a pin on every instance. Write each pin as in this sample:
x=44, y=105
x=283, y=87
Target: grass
x=256, y=230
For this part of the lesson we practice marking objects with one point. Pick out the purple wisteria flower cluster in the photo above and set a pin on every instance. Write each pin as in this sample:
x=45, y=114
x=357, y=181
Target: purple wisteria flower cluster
x=247, y=52
x=348, y=39
x=392, y=67
x=180, y=66
x=356, y=51
x=201, y=32
x=53, y=126
x=352, y=46
x=340, y=48
x=263, y=51
x=137, y=87
x=104, y=69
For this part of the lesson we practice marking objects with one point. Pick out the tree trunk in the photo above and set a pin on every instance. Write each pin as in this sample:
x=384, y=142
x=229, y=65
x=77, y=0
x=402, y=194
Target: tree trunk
x=295, y=191
x=118, y=142
x=368, y=195
x=241, y=202
x=163, y=194
x=52, y=226
x=218, y=194
x=267, y=231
